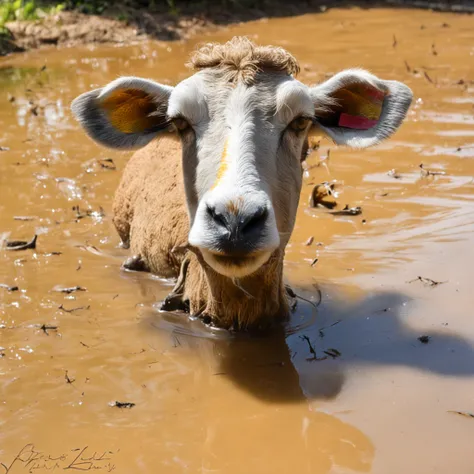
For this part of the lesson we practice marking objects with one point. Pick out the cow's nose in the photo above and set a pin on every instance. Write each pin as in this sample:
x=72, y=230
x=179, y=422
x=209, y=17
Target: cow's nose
x=240, y=231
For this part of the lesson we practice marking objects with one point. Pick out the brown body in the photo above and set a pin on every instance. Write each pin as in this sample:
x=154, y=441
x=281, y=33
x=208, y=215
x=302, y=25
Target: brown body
x=212, y=195
x=150, y=216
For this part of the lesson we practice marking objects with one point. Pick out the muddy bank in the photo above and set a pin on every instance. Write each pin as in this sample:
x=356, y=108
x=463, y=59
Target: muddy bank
x=125, y=25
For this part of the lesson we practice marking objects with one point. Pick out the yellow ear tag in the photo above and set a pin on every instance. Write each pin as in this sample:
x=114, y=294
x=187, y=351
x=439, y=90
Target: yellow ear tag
x=362, y=106
x=130, y=111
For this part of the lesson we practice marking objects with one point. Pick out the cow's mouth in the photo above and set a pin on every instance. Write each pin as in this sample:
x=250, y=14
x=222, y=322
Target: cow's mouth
x=235, y=266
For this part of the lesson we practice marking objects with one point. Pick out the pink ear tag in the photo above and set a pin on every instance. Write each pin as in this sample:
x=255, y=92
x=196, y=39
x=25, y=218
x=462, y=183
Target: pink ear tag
x=365, y=109
x=356, y=121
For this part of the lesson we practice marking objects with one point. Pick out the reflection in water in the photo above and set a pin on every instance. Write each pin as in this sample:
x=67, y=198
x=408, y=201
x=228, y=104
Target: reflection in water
x=208, y=402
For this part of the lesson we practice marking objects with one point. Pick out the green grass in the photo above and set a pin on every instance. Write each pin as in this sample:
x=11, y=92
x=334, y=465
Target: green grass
x=11, y=10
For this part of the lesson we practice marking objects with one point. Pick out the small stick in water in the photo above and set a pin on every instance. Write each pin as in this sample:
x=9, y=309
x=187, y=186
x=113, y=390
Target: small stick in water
x=22, y=244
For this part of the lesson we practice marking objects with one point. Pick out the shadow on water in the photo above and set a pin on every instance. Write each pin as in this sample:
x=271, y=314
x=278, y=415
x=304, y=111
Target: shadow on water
x=312, y=360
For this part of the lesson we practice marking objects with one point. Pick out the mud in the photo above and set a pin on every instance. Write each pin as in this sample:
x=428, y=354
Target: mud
x=102, y=380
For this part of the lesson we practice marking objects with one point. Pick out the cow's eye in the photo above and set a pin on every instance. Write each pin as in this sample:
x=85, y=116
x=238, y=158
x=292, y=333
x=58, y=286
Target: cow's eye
x=299, y=124
x=180, y=123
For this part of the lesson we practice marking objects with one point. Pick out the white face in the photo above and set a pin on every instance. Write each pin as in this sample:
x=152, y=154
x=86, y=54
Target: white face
x=242, y=148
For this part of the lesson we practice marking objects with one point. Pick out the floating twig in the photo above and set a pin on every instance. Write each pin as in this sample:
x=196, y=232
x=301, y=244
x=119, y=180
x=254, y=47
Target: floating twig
x=62, y=308
x=334, y=353
x=48, y=327
x=426, y=172
x=427, y=281
x=24, y=218
x=348, y=211
x=68, y=379
x=321, y=330
x=462, y=413
x=292, y=294
x=428, y=78
x=311, y=348
x=22, y=244
x=68, y=290
x=122, y=404
x=424, y=339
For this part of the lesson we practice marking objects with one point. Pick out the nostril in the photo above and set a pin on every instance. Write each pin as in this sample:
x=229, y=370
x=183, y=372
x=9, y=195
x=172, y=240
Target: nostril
x=256, y=220
x=216, y=216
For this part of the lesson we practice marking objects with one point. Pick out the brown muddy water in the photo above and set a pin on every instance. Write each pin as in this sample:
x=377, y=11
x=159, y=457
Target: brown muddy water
x=206, y=402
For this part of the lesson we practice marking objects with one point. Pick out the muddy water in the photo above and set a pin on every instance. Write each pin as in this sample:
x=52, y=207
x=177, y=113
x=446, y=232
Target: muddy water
x=205, y=402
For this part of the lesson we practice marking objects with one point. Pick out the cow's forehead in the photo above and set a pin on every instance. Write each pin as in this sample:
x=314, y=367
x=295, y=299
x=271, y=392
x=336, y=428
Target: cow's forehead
x=275, y=97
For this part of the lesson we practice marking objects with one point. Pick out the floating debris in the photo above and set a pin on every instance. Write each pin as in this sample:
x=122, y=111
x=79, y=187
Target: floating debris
x=311, y=348
x=433, y=50
x=395, y=42
x=309, y=241
x=322, y=191
x=314, y=262
x=348, y=211
x=408, y=68
x=426, y=172
x=292, y=294
x=68, y=290
x=62, y=308
x=107, y=163
x=48, y=327
x=89, y=248
x=8, y=287
x=4, y=148
x=334, y=353
x=424, y=339
x=96, y=165
x=122, y=404
x=89, y=213
x=21, y=244
x=428, y=78
x=24, y=218
x=427, y=281
x=462, y=413
x=321, y=330
x=68, y=379
x=394, y=174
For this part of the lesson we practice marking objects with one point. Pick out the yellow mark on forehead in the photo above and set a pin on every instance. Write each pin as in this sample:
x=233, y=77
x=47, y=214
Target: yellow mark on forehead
x=224, y=164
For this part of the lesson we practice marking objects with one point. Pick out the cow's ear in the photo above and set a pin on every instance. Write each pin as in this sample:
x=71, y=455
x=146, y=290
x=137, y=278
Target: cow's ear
x=358, y=109
x=127, y=113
